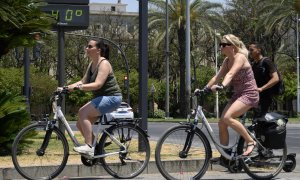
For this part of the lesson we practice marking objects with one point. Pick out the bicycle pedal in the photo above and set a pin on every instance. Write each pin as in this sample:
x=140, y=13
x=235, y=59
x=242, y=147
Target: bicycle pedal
x=214, y=160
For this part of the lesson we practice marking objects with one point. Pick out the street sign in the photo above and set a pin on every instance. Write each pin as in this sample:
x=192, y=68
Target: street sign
x=68, y=16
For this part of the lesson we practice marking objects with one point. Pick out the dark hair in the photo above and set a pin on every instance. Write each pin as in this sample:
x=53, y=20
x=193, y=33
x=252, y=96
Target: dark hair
x=103, y=47
x=259, y=46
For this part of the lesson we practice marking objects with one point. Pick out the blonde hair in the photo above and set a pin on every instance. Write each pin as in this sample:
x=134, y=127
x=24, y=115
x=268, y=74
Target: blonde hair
x=236, y=42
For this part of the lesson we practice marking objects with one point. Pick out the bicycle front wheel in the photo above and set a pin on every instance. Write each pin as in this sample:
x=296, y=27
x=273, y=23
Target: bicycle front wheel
x=128, y=160
x=263, y=163
x=174, y=162
x=34, y=162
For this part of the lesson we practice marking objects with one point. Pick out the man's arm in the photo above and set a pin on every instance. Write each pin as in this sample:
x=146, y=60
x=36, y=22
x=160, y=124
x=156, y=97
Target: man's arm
x=272, y=73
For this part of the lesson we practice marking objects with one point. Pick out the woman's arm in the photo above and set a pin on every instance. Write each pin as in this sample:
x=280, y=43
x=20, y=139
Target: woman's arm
x=219, y=75
x=82, y=81
x=103, y=71
x=238, y=64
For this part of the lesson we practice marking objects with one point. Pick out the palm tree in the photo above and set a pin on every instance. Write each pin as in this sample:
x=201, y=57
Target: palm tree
x=19, y=20
x=277, y=18
x=203, y=15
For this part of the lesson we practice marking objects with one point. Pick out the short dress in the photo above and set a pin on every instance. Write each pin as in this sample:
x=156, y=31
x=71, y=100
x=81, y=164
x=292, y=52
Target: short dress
x=244, y=87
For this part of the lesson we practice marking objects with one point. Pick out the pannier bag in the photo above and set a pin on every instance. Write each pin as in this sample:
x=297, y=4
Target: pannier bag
x=271, y=130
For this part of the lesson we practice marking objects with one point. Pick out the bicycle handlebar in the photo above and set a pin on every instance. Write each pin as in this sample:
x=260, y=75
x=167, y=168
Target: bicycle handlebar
x=199, y=92
x=63, y=90
x=205, y=90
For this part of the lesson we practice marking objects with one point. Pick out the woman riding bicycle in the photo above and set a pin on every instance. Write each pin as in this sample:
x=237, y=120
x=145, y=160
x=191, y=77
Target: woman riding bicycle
x=99, y=78
x=237, y=72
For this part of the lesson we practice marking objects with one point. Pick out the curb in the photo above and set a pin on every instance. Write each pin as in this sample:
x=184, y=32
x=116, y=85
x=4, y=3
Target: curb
x=80, y=170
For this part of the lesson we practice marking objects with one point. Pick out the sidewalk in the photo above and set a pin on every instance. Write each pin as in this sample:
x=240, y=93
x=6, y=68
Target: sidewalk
x=217, y=172
x=85, y=172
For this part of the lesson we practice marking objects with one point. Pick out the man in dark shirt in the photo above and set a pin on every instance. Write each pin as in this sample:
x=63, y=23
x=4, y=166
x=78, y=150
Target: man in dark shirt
x=266, y=76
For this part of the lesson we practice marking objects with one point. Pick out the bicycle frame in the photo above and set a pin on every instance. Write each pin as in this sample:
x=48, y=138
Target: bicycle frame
x=200, y=115
x=59, y=116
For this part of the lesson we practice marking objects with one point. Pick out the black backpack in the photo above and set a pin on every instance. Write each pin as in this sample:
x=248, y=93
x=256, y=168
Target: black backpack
x=277, y=89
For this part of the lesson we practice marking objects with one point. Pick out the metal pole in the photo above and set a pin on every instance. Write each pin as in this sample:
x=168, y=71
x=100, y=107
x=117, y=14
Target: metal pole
x=298, y=85
x=187, y=56
x=216, y=59
x=143, y=62
x=167, y=62
x=26, y=88
x=61, y=67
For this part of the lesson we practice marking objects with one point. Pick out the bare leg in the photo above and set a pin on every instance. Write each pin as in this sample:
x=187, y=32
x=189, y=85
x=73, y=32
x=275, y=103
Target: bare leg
x=87, y=116
x=233, y=111
x=223, y=133
x=223, y=128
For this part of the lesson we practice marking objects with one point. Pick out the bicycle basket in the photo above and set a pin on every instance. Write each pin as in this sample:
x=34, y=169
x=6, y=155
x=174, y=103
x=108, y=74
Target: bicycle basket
x=271, y=130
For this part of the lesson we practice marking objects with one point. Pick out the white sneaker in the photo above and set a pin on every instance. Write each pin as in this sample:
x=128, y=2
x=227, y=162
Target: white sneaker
x=86, y=149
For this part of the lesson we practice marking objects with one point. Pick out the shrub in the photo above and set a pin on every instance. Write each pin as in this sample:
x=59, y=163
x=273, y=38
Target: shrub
x=158, y=113
x=13, y=117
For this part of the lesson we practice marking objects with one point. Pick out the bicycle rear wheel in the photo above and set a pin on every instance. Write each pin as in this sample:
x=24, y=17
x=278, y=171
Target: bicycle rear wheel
x=173, y=163
x=129, y=164
x=34, y=163
x=262, y=163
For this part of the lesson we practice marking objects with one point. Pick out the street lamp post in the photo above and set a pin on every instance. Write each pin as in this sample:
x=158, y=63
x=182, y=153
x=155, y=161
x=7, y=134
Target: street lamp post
x=216, y=59
x=167, y=62
x=298, y=85
x=187, y=56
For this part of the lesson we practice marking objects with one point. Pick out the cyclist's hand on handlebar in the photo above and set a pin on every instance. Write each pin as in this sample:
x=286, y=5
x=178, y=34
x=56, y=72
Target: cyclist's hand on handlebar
x=217, y=87
x=64, y=88
x=207, y=89
x=197, y=91
x=59, y=89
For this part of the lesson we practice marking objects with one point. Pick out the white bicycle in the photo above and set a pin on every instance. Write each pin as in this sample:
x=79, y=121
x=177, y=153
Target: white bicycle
x=41, y=150
x=184, y=152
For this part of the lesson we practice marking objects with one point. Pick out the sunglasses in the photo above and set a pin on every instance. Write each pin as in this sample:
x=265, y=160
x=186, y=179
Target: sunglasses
x=90, y=46
x=224, y=44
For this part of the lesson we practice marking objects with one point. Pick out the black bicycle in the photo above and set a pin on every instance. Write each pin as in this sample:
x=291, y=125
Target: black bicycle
x=41, y=150
x=184, y=152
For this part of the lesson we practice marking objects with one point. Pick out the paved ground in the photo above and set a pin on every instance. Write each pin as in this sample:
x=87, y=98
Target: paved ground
x=215, y=173
x=208, y=175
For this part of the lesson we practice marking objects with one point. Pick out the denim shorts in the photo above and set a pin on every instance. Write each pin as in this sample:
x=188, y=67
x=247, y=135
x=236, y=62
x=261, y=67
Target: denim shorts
x=106, y=104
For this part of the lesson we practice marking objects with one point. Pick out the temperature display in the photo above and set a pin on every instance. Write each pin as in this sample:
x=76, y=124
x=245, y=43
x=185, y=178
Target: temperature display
x=76, y=16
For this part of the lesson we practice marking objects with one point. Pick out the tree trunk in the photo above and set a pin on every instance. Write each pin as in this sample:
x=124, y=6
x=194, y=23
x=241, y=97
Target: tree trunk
x=182, y=100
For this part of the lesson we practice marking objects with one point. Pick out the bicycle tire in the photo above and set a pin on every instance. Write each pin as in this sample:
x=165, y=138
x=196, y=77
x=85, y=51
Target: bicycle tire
x=167, y=154
x=132, y=163
x=30, y=162
x=262, y=164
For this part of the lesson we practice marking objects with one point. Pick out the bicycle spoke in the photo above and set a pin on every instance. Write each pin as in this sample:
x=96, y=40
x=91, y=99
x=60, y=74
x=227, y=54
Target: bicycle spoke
x=132, y=162
x=173, y=162
x=33, y=165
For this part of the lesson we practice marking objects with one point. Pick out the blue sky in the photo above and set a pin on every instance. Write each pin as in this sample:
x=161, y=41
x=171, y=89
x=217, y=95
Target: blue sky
x=133, y=4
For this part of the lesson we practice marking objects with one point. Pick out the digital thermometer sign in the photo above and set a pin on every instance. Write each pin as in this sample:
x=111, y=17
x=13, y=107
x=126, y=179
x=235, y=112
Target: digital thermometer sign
x=70, y=15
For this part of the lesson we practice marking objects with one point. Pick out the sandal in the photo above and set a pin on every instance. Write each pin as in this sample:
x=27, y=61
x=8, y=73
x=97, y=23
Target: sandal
x=253, y=144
